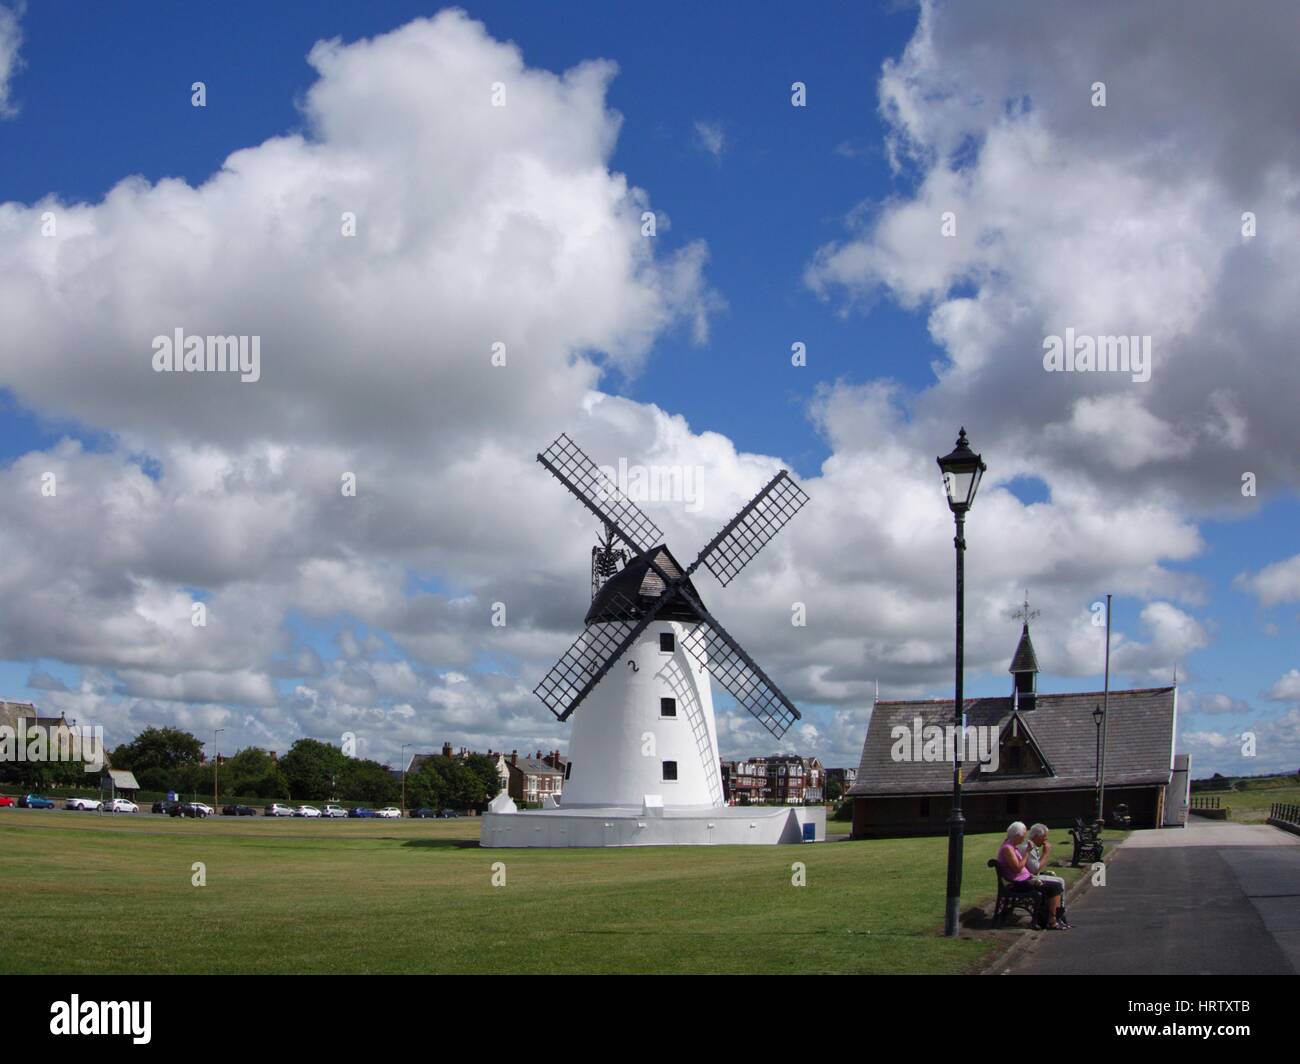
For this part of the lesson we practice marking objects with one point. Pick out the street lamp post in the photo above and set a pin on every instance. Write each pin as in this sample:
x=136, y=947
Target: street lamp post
x=1097, y=716
x=962, y=470
x=215, y=759
x=405, y=746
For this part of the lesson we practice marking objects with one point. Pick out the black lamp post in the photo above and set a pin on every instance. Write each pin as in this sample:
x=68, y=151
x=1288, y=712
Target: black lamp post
x=1097, y=716
x=962, y=470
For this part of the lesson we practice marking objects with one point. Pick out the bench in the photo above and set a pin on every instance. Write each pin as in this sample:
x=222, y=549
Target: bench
x=1009, y=900
x=1087, y=841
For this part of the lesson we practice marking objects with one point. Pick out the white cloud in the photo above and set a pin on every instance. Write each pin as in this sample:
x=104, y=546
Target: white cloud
x=1287, y=688
x=711, y=137
x=1275, y=583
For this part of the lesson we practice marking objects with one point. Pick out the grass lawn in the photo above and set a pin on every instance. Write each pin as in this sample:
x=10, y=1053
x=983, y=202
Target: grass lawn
x=114, y=894
x=1250, y=805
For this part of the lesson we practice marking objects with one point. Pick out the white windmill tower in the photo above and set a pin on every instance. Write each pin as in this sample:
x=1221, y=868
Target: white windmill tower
x=645, y=744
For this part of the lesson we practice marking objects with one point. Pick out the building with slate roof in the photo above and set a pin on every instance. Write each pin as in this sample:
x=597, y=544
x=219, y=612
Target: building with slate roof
x=1040, y=760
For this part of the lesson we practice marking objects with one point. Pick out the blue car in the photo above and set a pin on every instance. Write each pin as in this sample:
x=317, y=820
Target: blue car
x=34, y=801
x=360, y=811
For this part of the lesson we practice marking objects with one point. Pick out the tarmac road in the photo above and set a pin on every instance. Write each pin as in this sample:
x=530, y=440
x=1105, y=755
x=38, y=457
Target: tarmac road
x=1207, y=899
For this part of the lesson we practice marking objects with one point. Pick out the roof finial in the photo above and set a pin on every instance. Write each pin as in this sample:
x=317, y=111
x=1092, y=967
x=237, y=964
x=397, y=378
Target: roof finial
x=1024, y=613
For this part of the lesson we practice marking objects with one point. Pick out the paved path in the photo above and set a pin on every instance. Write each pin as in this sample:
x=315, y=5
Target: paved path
x=1207, y=899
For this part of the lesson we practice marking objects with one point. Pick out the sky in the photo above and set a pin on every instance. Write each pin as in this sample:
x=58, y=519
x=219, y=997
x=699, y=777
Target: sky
x=958, y=184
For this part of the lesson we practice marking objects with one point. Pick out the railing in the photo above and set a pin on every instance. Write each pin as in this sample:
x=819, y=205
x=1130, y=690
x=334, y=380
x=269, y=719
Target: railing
x=1204, y=802
x=1288, y=814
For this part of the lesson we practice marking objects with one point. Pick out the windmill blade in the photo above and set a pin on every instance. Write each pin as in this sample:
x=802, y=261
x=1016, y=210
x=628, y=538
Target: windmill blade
x=569, y=464
x=749, y=685
x=750, y=530
x=592, y=655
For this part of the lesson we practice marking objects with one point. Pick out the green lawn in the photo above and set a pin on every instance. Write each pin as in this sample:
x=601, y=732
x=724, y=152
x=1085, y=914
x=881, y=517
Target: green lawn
x=1250, y=805
x=102, y=894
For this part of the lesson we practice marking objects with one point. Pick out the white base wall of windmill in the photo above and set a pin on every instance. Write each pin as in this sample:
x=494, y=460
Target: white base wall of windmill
x=721, y=826
x=622, y=739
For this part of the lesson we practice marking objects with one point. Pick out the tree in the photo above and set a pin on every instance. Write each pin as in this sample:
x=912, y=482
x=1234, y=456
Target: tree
x=160, y=757
x=366, y=781
x=311, y=768
x=485, y=768
x=834, y=789
x=252, y=772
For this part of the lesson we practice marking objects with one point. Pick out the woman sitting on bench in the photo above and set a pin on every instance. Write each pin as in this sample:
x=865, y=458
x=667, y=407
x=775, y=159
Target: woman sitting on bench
x=1015, y=870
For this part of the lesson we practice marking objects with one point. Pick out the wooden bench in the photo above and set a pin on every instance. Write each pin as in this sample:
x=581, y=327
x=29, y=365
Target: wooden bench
x=1009, y=900
x=1087, y=842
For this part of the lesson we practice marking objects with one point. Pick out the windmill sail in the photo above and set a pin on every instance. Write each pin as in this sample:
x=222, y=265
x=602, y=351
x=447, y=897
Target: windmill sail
x=753, y=528
x=596, y=490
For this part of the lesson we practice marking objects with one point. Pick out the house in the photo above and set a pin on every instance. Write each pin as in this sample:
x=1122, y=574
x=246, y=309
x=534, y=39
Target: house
x=745, y=782
x=1029, y=756
x=532, y=779
x=843, y=778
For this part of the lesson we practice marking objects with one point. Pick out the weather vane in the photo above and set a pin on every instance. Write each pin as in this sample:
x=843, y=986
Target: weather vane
x=1024, y=613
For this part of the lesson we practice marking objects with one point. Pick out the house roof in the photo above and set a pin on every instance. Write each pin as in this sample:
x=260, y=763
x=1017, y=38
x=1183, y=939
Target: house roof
x=1139, y=743
x=631, y=591
x=531, y=766
x=1024, y=659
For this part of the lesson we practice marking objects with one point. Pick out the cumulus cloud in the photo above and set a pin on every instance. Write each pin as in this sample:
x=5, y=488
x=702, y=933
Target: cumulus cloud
x=1275, y=583
x=1122, y=220
x=1287, y=688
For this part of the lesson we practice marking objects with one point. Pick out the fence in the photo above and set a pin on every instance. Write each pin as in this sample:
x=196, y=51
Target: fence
x=1203, y=802
x=1287, y=814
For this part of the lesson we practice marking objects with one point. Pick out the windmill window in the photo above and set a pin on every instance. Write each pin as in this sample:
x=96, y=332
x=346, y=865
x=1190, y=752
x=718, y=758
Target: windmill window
x=670, y=771
x=1014, y=760
x=1013, y=803
x=667, y=707
x=568, y=768
x=667, y=642
x=925, y=806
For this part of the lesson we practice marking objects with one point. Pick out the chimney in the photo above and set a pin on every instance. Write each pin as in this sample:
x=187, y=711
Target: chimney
x=514, y=757
x=446, y=749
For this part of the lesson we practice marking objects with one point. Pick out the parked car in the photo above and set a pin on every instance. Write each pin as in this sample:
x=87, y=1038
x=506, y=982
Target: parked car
x=194, y=810
x=360, y=812
x=389, y=812
x=334, y=811
x=164, y=806
x=238, y=810
x=87, y=805
x=276, y=809
x=422, y=813
x=6, y=800
x=307, y=811
x=34, y=801
x=122, y=805
x=448, y=814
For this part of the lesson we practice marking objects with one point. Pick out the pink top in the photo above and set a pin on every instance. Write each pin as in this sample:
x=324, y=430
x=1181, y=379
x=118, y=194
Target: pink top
x=1006, y=858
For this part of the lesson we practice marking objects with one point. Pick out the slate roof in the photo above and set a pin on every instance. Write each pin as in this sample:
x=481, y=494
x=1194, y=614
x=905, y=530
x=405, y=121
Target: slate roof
x=629, y=593
x=531, y=766
x=1139, y=744
x=1024, y=659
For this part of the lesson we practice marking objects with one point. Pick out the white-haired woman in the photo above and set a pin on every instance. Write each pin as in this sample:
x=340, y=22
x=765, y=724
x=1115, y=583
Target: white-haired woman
x=1036, y=849
x=1020, y=880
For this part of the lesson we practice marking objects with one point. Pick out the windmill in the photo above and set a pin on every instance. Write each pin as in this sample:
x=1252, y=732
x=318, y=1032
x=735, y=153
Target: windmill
x=647, y=729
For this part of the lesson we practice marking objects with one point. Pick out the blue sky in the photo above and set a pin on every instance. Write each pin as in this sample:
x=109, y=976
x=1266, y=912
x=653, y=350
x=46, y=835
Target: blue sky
x=103, y=94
